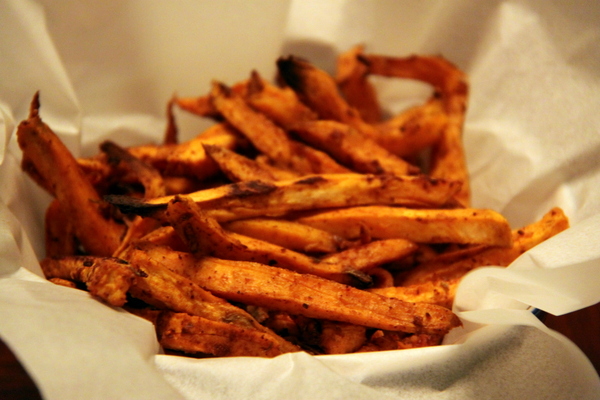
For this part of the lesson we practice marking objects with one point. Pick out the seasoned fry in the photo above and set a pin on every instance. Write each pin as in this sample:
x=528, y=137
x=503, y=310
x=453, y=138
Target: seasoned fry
x=304, y=294
x=351, y=77
x=78, y=199
x=194, y=334
x=204, y=236
x=524, y=239
x=301, y=220
x=448, y=159
x=465, y=226
x=237, y=167
x=350, y=148
x=258, y=199
x=288, y=234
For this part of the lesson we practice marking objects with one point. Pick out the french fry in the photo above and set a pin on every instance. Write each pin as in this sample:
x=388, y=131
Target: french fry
x=439, y=292
x=465, y=226
x=237, y=167
x=371, y=255
x=351, y=77
x=448, y=159
x=77, y=197
x=258, y=199
x=288, y=234
x=303, y=294
x=204, y=236
x=193, y=334
x=552, y=223
x=413, y=130
x=351, y=148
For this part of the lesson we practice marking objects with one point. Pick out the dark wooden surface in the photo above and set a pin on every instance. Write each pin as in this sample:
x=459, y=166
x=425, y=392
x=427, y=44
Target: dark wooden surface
x=582, y=327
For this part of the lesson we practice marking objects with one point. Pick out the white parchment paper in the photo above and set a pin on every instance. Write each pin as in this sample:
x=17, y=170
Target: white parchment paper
x=107, y=69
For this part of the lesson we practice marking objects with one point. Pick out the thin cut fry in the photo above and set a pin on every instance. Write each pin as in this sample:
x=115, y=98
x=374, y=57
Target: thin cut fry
x=465, y=226
x=524, y=239
x=78, y=199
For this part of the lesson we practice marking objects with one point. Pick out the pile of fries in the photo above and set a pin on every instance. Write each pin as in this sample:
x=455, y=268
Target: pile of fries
x=303, y=219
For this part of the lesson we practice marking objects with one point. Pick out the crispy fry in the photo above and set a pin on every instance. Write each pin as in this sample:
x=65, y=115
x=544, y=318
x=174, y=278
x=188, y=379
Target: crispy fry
x=255, y=198
x=413, y=130
x=524, y=239
x=350, y=148
x=351, y=77
x=78, y=199
x=193, y=334
x=281, y=105
x=466, y=226
x=374, y=254
x=448, y=159
x=439, y=292
x=288, y=234
x=237, y=167
x=105, y=277
x=204, y=236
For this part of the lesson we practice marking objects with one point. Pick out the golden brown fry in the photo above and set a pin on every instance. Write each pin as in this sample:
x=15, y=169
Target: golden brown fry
x=374, y=254
x=281, y=105
x=108, y=278
x=524, y=239
x=165, y=289
x=303, y=294
x=269, y=138
x=78, y=199
x=341, y=338
x=351, y=76
x=257, y=199
x=204, y=236
x=439, y=292
x=288, y=234
x=465, y=226
x=317, y=89
x=188, y=158
x=193, y=334
x=59, y=232
x=237, y=167
x=148, y=176
x=351, y=148
x=450, y=83
x=413, y=130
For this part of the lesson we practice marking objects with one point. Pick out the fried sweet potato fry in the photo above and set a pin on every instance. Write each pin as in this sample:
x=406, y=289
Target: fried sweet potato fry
x=204, y=236
x=107, y=278
x=281, y=105
x=450, y=83
x=288, y=234
x=258, y=199
x=414, y=129
x=300, y=294
x=268, y=137
x=439, y=292
x=237, y=167
x=465, y=226
x=77, y=197
x=351, y=148
x=368, y=256
x=524, y=239
x=317, y=89
x=192, y=334
x=351, y=77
